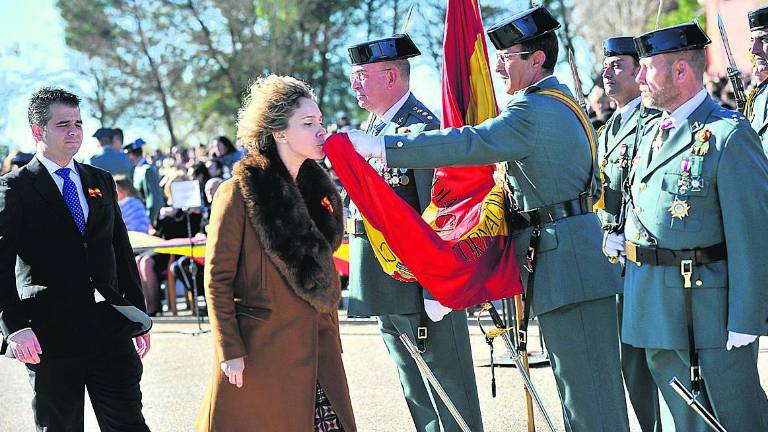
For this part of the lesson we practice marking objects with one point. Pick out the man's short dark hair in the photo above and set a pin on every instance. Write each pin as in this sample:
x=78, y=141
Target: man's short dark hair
x=39, y=111
x=117, y=132
x=696, y=59
x=404, y=67
x=546, y=43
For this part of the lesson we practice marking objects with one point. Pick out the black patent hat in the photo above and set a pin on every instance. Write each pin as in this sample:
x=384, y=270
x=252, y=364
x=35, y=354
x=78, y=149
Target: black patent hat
x=618, y=46
x=397, y=47
x=522, y=27
x=758, y=18
x=682, y=37
x=134, y=146
x=103, y=132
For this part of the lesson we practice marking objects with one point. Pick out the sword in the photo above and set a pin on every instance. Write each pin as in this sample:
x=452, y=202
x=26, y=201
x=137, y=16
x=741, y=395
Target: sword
x=733, y=71
x=427, y=373
x=696, y=406
x=577, y=83
x=503, y=331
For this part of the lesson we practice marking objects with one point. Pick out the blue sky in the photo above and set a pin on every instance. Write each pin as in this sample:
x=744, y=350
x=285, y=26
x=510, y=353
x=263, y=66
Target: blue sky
x=32, y=54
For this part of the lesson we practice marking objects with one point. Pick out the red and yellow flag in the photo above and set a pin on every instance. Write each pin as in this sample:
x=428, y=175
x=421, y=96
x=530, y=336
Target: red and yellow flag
x=463, y=254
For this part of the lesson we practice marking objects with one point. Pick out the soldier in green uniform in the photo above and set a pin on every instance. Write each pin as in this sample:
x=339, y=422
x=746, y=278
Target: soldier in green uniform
x=380, y=80
x=616, y=148
x=547, y=143
x=756, y=109
x=694, y=291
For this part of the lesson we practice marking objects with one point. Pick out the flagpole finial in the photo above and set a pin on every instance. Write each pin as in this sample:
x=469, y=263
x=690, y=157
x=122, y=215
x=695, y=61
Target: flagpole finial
x=407, y=19
x=658, y=13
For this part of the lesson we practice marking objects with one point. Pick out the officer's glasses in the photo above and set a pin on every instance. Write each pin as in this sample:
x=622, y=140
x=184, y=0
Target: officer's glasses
x=362, y=75
x=507, y=56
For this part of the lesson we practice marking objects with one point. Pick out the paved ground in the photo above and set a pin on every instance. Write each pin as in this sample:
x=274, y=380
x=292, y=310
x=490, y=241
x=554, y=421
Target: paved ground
x=177, y=370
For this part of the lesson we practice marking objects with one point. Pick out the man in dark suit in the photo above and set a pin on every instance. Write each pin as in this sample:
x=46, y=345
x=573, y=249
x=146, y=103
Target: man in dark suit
x=65, y=261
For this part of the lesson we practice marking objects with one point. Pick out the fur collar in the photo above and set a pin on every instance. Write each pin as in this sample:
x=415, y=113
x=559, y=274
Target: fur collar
x=300, y=224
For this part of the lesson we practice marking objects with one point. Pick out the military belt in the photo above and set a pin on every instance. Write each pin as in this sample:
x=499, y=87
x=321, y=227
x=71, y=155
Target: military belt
x=355, y=227
x=552, y=213
x=667, y=257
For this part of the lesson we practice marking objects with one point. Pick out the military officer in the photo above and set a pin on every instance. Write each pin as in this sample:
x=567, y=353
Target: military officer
x=616, y=145
x=694, y=292
x=756, y=109
x=146, y=179
x=380, y=79
x=548, y=145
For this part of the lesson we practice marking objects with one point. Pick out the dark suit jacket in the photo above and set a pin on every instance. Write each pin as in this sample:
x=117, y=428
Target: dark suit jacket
x=48, y=270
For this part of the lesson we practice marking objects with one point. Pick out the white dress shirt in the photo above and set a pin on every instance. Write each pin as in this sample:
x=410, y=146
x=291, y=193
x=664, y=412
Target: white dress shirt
x=390, y=114
x=685, y=110
x=628, y=109
x=74, y=175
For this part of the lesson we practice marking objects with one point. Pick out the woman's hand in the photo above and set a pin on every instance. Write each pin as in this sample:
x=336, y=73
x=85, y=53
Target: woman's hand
x=233, y=369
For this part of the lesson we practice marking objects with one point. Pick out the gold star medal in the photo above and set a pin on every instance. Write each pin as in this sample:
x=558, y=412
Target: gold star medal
x=679, y=208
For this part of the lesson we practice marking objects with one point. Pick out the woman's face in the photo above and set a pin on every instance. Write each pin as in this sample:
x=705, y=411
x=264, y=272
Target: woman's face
x=305, y=134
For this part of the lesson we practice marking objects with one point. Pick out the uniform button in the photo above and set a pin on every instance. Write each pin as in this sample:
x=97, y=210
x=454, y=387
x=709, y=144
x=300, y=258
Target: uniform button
x=643, y=186
x=400, y=144
x=699, y=283
x=637, y=236
x=638, y=210
x=90, y=279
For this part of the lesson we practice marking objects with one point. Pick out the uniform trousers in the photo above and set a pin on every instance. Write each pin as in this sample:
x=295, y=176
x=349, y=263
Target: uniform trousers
x=583, y=344
x=449, y=356
x=731, y=390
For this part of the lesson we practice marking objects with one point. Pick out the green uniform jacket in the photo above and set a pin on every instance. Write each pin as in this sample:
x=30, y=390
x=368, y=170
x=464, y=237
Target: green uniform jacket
x=731, y=207
x=371, y=291
x=549, y=160
x=614, y=152
x=759, y=116
x=146, y=180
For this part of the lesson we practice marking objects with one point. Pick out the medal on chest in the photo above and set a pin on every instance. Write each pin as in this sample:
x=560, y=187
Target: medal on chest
x=393, y=176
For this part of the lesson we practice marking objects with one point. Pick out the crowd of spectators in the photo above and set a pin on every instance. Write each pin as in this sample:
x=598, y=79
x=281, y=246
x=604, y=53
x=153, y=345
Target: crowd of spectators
x=601, y=107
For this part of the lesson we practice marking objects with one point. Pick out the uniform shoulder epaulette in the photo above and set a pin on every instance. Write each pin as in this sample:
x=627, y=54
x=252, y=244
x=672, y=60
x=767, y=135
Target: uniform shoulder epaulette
x=731, y=116
x=422, y=114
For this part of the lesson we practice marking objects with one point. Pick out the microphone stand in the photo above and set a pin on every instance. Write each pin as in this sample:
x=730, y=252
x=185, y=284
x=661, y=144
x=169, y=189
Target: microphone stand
x=193, y=273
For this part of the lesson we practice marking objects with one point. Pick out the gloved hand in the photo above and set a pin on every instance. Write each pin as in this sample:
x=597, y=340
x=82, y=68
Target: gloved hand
x=736, y=340
x=613, y=245
x=435, y=311
x=233, y=369
x=25, y=346
x=367, y=145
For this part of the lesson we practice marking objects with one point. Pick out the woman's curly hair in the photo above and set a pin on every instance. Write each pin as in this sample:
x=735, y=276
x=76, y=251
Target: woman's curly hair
x=269, y=104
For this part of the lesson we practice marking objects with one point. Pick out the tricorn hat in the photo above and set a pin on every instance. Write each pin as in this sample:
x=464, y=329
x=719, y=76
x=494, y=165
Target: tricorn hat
x=682, y=37
x=620, y=45
x=397, y=47
x=522, y=27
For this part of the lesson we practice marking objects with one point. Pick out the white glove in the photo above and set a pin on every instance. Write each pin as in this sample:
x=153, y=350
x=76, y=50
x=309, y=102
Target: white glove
x=435, y=311
x=367, y=145
x=233, y=369
x=736, y=340
x=613, y=245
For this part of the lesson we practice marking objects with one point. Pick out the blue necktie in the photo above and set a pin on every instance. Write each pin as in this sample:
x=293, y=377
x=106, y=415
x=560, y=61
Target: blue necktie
x=70, y=197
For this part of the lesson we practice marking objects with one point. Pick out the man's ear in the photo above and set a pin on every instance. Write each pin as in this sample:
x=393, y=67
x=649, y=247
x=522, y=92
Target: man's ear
x=679, y=69
x=37, y=132
x=539, y=58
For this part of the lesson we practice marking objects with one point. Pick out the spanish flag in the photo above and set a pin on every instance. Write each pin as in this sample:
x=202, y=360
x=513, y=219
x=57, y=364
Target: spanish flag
x=459, y=249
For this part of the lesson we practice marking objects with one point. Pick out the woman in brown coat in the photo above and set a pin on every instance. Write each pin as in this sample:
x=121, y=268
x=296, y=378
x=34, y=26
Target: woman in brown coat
x=271, y=284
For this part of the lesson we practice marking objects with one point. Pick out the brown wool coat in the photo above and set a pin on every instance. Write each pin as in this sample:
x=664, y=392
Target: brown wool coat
x=273, y=292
